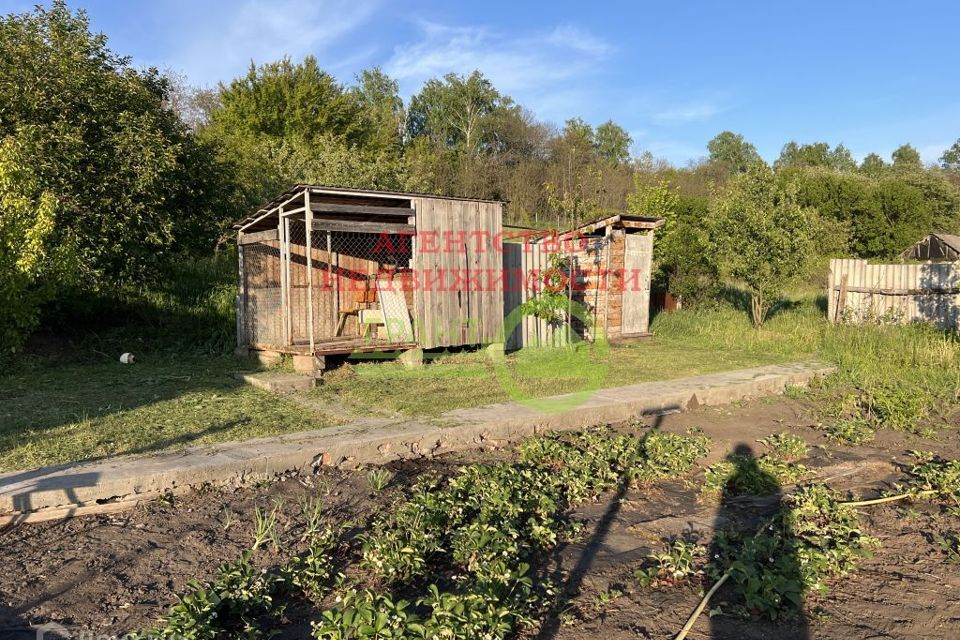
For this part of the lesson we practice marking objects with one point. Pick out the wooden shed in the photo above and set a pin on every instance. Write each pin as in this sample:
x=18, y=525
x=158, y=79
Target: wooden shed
x=608, y=265
x=934, y=247
x=326, y=271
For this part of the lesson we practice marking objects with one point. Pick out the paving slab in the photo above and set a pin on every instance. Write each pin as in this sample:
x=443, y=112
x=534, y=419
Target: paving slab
x=70, y=489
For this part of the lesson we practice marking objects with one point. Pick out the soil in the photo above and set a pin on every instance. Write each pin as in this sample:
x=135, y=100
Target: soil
x=107, y=575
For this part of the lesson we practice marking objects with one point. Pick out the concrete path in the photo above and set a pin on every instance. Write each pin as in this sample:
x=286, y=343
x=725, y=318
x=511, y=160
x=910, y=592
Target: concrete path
x=117, y=483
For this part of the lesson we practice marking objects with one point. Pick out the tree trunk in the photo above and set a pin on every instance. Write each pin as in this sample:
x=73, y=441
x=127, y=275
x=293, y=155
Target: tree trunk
x=758, y=310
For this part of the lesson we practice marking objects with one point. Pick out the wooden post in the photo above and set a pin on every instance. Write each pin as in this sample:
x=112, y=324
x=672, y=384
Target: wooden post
x=841, y=298
x=308, y=213
x=334, y=290
x=284, y=231
x=241, y=295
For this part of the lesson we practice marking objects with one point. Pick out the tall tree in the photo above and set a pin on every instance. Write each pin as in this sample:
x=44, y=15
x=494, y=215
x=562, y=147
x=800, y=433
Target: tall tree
x=730, y=149
x=817, y=154
x=282, y=100
x=951, y=157
x=97, y=134
x=906, y=157
x=382, y=109
x=872, y=164
x=762, y=236
x=456, y=112
x=612, y=143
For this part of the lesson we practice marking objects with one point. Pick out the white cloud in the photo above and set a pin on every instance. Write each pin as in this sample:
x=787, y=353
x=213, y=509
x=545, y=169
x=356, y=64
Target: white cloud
x=215, y=50
x=679, y=114
x=540, y=70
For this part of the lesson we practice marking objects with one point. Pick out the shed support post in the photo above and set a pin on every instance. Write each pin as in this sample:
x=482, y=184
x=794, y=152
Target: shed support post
x=336, y=293
x=309, y=224
x=241, y=296
x=285, y=315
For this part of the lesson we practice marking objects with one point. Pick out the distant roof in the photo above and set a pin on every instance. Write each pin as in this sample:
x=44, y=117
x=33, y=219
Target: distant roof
x=949, y=241
x=628, y=220
x=321, y=188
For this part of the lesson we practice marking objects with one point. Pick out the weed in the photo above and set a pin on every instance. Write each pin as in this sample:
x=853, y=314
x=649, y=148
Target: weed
x=950, y=546
x=312, y=510
x=603, y=600
x=849, y=431
x=379, y=478
x=265, y=526
x=229, y=518
x=785, y=447
x=677, y=564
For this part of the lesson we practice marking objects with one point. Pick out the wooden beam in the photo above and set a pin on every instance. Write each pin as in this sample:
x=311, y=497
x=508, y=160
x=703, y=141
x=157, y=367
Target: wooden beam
x=639, y=224
x=902, y=292
x=309, y=225
x=360, y=209
x=362, y=227
x=258, y=236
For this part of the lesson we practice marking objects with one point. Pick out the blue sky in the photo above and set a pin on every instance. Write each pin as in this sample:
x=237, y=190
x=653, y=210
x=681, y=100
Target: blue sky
x=872, y=75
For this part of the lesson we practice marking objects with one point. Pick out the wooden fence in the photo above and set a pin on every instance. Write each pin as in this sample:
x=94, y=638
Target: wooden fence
x=901, y=293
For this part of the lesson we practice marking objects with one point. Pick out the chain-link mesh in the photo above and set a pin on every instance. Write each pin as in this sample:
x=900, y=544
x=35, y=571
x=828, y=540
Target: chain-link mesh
x=341, y=281
x=262, y=308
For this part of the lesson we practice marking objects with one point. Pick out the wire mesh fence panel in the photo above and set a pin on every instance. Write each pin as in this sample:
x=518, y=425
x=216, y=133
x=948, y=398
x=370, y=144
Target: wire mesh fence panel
x=334, y=283
x=262, y=324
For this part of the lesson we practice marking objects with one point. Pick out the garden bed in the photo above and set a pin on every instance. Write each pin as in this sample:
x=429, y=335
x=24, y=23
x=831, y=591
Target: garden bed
x=117, y=573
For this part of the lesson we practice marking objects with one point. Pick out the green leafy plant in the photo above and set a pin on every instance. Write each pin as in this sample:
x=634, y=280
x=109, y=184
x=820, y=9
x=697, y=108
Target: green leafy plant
x=950, y=546
x=813, y=536
x=230, y=606
x=785, y=447
x=677, y=563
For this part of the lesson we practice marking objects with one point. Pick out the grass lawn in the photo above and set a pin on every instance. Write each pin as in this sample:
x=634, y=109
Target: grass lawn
x=56, y=412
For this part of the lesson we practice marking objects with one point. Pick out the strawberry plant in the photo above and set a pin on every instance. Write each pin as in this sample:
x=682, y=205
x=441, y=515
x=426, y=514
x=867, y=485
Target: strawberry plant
x=811, y=537
x=678, y=563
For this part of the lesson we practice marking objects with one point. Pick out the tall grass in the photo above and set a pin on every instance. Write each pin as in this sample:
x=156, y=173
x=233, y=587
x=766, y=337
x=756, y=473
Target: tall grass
x=189, y=308
x=918, y=357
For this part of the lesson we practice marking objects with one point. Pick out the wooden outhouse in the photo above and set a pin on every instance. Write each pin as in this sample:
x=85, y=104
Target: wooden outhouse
x=607, y=265
x=326, y=271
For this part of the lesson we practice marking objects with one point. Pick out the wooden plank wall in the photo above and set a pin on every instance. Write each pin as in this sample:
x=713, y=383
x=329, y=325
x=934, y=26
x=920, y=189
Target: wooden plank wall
x=861, y=292
x=448, y=312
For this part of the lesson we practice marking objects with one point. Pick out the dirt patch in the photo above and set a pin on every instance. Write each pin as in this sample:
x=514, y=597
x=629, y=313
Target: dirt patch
x=115, y=573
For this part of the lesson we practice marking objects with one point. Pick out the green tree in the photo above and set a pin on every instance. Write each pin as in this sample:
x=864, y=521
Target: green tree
x=872, y=164
x=684, y=262
x=282, y=100
x=905, y=157
x=731, y=150
x=612, y=143
x=96, y=134
x=950, y=159
x=456, y=112
x=378, y=96
x=762, y=236
x=817, y=154
x=33, y=267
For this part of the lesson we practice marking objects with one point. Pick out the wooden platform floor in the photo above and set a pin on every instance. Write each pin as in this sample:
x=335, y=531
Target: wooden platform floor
x=340, y=346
